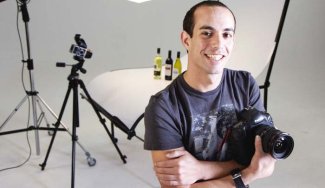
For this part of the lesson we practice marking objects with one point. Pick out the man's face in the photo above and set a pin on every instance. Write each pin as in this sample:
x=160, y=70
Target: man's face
x=210, y=47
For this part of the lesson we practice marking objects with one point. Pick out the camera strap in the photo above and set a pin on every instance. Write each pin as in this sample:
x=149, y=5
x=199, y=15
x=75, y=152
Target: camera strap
x=225, y=138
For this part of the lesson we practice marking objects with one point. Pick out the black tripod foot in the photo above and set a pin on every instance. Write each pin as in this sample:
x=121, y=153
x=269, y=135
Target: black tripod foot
x=50, y=132
x=42, y=166
x=123, y=157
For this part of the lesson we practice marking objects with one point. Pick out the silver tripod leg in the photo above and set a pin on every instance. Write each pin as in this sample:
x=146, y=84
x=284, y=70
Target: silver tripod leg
x=91, y=161
x=38, y=150
x=42, y=115
x=34, y=120
x=13, y=112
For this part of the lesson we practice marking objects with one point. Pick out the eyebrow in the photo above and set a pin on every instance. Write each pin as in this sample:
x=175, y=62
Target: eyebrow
x=211, y=28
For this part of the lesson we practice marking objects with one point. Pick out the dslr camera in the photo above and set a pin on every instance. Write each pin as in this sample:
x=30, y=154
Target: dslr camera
x=253, y=122
x=80, y=50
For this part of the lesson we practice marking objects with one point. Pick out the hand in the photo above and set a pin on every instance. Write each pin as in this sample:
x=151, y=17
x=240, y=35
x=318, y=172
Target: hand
x=181, y=168
x=262, y=164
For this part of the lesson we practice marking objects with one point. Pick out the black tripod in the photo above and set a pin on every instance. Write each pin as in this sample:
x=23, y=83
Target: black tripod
x=74, y=82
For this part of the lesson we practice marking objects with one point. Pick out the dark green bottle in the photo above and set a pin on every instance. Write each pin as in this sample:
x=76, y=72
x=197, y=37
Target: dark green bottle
x=169, y=67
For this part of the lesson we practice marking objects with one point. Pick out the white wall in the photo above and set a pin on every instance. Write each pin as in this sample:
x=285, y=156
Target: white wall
x=124, y=34
x=297, y=92
x=121, y=34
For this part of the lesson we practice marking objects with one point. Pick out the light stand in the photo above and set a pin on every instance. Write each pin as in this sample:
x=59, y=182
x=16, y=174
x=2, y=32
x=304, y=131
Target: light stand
x=267, y=83
x=35, y=98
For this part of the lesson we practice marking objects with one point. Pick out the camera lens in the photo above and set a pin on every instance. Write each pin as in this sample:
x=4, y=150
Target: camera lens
x=281, y=146
x=275, y=142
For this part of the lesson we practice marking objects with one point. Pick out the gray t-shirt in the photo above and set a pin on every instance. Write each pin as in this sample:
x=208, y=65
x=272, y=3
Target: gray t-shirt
x=180, y=116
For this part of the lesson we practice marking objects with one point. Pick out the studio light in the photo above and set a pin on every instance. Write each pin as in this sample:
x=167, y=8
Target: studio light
x=138, y=1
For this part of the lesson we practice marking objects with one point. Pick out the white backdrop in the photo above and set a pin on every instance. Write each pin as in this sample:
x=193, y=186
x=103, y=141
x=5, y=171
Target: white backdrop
x=123, y=34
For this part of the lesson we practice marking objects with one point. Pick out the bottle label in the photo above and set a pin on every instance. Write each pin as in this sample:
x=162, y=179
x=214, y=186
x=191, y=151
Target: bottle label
x=157, y=69
x=156, y=73
x=175, y=72
x=168, y=70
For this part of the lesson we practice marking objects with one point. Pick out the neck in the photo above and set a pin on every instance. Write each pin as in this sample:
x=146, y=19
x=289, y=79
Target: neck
x=203, y=82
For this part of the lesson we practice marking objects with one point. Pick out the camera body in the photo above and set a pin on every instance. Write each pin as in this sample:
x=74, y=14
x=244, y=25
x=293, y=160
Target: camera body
x=80, y=50
x=253, y=122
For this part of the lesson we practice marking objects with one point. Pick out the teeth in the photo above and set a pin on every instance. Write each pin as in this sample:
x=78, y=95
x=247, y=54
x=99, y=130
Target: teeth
x=215, y=57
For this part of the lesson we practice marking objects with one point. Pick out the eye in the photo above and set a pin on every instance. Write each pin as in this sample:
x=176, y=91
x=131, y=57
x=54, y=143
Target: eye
x=228, y=35
x=207, y=33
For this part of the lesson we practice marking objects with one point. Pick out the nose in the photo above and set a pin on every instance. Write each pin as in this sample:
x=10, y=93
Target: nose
x=217, y=42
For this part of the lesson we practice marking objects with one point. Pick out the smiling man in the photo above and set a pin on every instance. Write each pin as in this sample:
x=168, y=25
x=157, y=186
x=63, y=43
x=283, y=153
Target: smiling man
x=186, y=123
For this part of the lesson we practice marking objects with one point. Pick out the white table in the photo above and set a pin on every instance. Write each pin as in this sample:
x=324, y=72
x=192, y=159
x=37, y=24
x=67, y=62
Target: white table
x=124, y=94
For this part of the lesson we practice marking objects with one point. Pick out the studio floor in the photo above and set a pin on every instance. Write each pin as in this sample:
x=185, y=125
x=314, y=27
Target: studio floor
x=109, y=170
x=303, y=168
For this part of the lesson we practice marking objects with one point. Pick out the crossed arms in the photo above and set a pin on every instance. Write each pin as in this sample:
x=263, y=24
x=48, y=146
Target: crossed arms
x=178, y=168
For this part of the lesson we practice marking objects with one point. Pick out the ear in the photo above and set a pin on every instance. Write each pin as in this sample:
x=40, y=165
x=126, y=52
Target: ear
x=186, y=39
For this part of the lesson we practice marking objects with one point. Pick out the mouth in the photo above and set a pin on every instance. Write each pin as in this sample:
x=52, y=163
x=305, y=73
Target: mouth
x=215, y=57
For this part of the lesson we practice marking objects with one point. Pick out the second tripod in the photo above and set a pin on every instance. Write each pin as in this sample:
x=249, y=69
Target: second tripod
x=80, y=52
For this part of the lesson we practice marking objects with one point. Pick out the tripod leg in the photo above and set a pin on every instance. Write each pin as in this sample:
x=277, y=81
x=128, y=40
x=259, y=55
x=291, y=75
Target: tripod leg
x=75, y=124
x=102, y=121
x=43, y=116
x=265, y=97
x=113, y=133
x=14, y=111
x=38, y=150
x=91, y=161
x=73, y=156
x=57, y=124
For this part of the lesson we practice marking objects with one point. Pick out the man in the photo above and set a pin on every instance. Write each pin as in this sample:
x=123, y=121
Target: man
x=186, y=122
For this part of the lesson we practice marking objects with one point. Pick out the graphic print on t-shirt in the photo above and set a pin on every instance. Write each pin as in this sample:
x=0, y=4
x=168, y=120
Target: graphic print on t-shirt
x=208, y=131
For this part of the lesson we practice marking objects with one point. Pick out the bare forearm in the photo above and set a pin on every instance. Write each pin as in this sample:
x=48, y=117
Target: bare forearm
x=248, y=175
x=214, y=175
x=179, y=169
x=225, y=182
x=214, y=170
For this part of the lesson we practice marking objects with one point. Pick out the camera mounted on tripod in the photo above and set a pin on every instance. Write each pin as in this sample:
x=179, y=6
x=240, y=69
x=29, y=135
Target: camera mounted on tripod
x=80, y=50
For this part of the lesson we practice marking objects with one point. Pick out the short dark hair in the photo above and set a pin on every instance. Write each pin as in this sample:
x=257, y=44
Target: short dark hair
x=188, y=22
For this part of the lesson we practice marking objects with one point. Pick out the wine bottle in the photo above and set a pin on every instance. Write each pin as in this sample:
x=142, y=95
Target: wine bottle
x=177, y=70
x=169, y=66
x=157, y=65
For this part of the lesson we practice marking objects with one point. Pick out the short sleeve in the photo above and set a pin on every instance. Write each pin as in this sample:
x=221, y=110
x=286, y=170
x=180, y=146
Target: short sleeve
x=161, y=129
x=255, y=98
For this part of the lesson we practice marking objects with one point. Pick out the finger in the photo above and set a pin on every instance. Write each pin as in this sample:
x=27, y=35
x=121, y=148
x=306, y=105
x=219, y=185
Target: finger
x=169, y=183
x=175, y=154
x=166, y=164
x=163, y=170
x=258, y=143
x=167, y=177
